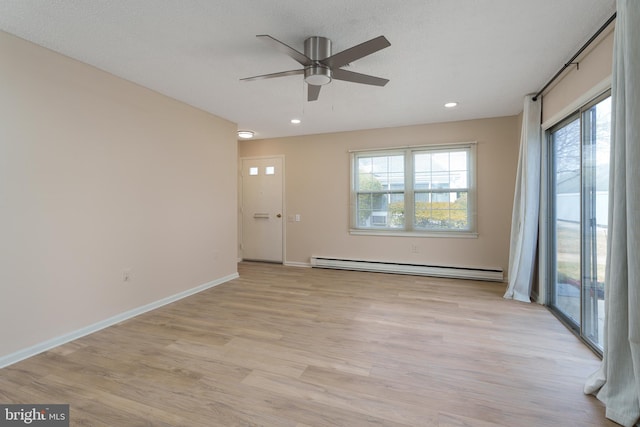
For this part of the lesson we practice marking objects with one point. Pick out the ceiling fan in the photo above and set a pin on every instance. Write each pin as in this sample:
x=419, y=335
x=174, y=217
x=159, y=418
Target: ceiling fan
x=320, y=66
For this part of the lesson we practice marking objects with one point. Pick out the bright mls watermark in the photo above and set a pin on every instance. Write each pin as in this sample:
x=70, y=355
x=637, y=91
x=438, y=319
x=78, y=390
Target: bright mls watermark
x=34, y=415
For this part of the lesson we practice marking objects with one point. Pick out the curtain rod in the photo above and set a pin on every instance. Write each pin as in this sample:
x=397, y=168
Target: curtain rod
x=600, y=30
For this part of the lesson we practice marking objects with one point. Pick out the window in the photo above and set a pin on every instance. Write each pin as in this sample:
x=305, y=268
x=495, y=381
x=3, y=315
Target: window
x=422, y=191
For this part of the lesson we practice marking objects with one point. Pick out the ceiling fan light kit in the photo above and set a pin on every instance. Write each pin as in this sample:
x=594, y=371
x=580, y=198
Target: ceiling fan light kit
x=317, y=75
x=321, y=67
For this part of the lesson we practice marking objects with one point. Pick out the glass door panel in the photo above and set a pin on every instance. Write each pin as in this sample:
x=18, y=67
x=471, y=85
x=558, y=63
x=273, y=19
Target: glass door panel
x=595, y=171
x=566, y=222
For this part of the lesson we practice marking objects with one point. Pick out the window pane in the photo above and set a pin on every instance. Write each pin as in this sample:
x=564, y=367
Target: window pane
x=459, y=161
x=396, y=211
x=422, y=171
x=441, y=211
x=440, y=180
x=380, y=210
x=368, y=182
x=422, y=162
x=458, y=179
x=440, y=162
x=380, y=165
x=364, y=209
x=459, y=173
x=380, y=173
x=441, y=170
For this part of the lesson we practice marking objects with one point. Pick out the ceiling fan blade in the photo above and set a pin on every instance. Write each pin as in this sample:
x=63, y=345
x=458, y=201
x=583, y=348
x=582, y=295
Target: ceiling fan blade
x=287, y=50
x=356, y=52
x=313, y=93
x=272, y=75
x=350, y=76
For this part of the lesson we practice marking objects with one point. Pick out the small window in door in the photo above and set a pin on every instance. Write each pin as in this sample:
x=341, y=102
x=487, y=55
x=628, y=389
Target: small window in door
x=253, y=171
x=270, y=170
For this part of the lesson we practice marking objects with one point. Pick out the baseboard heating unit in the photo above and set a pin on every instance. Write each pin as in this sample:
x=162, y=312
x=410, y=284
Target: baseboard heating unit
x=490, y=274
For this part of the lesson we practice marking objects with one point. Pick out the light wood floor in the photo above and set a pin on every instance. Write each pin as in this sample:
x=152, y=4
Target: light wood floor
x=284, y=346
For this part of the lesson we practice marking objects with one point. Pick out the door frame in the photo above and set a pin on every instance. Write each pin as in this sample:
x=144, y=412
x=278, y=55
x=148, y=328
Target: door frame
x=241, y=211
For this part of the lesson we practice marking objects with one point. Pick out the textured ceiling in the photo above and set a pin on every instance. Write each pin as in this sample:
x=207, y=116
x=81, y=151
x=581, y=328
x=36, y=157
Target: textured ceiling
x=484, y=54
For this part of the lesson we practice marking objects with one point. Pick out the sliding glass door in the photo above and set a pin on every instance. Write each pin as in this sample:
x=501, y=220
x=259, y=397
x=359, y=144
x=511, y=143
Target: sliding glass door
x=566, y=222
x=579, y=166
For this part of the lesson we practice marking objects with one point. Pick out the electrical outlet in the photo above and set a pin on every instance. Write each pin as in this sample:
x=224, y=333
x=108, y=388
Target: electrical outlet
x=415, y=249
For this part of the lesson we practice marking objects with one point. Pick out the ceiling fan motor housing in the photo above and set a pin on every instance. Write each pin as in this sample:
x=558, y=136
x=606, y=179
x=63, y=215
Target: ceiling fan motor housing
x=317, y=49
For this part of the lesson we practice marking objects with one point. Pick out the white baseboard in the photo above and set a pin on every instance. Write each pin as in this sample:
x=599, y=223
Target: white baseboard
x=473, y=273
x=297, y=264
x=63, y=339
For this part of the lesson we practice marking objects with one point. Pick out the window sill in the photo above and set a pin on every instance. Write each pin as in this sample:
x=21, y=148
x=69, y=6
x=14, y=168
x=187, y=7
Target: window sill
x=402, y=233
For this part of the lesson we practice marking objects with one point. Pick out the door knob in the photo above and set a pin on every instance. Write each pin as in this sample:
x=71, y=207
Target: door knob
x=279, y=215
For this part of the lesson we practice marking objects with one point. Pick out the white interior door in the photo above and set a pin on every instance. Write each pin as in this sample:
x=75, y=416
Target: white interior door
x=262, y=209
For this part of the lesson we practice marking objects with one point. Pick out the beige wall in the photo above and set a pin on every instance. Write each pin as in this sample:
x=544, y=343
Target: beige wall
x=578, y=84
x=98, y=175
x=317, y=188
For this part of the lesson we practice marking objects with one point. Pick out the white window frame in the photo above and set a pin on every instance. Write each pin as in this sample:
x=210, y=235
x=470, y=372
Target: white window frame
x=409, y=193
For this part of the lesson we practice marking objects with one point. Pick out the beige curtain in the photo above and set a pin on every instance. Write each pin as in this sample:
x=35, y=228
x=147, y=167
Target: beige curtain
x=617, y=382
x=526, y=204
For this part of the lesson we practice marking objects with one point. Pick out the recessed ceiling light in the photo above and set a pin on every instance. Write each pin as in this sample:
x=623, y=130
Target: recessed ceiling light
x=245, y=134
x=450, y=104
x=296, y=121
